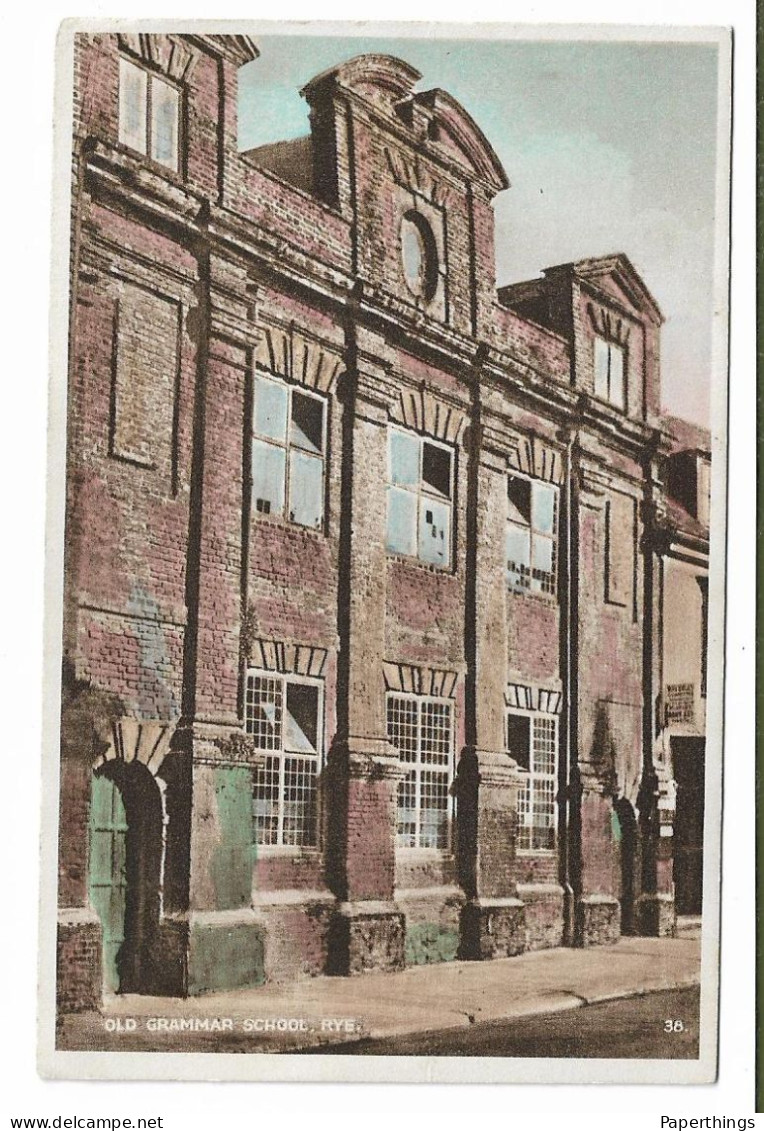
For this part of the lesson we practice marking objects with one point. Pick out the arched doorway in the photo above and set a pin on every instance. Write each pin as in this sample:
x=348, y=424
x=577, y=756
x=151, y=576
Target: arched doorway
x=125, y=866
x=629, y=844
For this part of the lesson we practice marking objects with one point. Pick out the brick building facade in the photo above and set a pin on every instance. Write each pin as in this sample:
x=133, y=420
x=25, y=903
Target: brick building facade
x=363, y=639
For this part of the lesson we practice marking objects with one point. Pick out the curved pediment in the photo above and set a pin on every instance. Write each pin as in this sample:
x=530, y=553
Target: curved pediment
x=438, y=122
x=382, y=79
x=454, y=129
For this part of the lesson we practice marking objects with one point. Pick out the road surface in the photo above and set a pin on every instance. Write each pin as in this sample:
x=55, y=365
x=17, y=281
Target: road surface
x=632, y=1027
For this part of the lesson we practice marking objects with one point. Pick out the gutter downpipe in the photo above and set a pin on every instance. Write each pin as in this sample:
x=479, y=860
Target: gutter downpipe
x=568, y=619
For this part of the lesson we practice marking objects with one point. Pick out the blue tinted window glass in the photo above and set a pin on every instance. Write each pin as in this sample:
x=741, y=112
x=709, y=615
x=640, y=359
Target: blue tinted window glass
x=268, y=468
x=434, y=522
x=404, y=458
x=270, y=409
x=306, y=489
x=401, y=521
x=544, y=498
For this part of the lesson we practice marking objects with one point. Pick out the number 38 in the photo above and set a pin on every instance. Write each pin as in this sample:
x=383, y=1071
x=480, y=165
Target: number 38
x=671, y=1026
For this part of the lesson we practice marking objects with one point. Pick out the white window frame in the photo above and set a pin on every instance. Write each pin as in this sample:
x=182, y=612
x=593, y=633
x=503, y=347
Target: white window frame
x=417, y=766
x=282, y=753
x=530, y=579
x=288, y=446
x=422, y=494
x=531, y=781
x=602, y=343
x=151, y=80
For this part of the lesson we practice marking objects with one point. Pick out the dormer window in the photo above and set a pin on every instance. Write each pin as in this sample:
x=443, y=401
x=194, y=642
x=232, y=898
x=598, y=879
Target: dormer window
x=609, y=372
x=149, y=114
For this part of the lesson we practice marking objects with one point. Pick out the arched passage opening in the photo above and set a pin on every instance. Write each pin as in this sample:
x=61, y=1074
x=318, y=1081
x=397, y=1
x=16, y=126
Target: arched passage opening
x=125, y=871
x=629, y=847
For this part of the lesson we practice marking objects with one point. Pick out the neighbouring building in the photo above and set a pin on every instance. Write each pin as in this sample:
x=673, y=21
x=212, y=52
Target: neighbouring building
x=384, y=588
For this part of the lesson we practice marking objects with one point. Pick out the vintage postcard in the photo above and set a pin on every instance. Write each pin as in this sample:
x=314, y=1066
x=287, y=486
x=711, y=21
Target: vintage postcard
x=387, y=556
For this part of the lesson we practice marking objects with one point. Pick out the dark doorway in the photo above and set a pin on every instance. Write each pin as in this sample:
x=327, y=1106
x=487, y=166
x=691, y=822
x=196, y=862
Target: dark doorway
x=688, y=758
x=125, y=873
x=629, y=868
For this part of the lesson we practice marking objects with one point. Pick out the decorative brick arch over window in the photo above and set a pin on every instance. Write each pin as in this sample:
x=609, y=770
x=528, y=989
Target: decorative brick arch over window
x=609, y=325
x=421, y=411
x=278, y=656
x=532, y=457
x=289, y=353
x=416, y=680
x=163, y=53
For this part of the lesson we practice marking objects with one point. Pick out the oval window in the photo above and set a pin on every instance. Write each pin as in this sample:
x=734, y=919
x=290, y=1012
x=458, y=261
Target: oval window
x=420, y=256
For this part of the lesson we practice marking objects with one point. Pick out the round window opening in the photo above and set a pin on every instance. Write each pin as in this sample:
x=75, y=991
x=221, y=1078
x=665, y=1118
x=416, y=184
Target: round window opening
x=420, y=256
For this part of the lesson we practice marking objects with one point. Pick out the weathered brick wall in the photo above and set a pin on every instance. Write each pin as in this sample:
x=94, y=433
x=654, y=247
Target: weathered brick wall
x=610, y=680
x=533, y=345
x=127, y=518
x=533, y=623
x=78, y=963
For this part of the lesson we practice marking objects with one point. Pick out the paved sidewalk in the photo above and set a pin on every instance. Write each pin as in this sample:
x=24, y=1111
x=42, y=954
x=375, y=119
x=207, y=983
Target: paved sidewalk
x=320, y=1010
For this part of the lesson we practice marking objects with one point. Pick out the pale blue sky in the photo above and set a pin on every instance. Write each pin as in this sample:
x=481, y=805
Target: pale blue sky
x=608, y=147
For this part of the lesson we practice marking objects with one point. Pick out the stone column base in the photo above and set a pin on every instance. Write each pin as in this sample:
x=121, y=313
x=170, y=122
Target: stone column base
x=78, y=961
x=368, y=935
x=655, y=915
x=492, y=928
x=598, y=920
x=226, y=950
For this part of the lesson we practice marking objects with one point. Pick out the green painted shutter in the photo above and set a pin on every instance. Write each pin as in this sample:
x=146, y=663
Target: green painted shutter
x=108, y=831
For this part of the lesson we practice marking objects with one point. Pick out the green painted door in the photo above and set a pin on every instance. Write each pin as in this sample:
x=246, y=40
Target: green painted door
x=108, y=883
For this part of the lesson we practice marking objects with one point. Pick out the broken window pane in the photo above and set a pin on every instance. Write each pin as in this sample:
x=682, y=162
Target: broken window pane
x=436, y=469
x=301, y=723
x=401, y=521
x=133, y=95
x=518, y=556
x=434, y=520
x=307, y=430
x=306, y=489
x=404, y=458
x=164, y=123
x=519, y=739
x=271, y=401
x=519, y=500
x=268, y=477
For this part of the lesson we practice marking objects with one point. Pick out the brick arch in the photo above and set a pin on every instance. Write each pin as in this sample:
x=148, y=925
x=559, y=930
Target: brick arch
x=608, y=325
x=144, y=741
x=169, y=55
x=422, y=411
x=290, y=353
x=533, y=457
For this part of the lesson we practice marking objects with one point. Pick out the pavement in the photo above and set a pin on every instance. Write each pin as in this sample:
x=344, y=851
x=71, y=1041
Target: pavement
x=317, y=1011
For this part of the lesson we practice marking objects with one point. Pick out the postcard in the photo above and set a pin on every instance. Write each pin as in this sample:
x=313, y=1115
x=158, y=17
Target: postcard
x=387, y=567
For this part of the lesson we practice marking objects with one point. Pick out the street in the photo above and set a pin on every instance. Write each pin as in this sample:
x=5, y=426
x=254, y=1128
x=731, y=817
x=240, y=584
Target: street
x=632, y=1027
